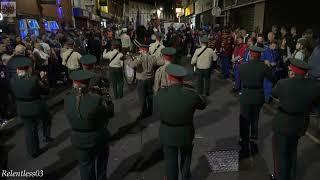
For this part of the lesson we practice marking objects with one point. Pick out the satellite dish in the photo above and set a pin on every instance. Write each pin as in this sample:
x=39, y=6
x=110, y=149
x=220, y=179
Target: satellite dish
x=216, y=11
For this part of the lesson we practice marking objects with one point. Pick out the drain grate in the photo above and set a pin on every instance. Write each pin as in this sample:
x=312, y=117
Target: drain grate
x=223, y=161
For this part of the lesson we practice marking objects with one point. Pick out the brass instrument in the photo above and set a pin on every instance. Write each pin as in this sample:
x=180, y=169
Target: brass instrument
x=102, y=89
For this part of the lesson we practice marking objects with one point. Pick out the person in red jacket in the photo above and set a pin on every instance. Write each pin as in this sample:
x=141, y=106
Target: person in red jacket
x=237, y=58
x=226, y=51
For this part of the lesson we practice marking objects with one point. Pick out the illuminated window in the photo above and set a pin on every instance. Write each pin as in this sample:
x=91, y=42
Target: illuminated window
x=104, y=9
x=187, y=12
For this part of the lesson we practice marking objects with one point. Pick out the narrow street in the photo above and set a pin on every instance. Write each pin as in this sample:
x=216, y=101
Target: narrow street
x=137, y=156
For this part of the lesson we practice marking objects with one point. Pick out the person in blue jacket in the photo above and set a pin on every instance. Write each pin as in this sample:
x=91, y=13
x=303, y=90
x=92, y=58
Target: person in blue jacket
x=270, y=56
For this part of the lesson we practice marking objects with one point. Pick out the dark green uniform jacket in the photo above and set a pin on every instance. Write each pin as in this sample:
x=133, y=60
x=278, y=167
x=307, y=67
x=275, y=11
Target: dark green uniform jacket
x=177, y=105
x=252, y=75
x=88, y=121
x=27, y=91
x=296, y=95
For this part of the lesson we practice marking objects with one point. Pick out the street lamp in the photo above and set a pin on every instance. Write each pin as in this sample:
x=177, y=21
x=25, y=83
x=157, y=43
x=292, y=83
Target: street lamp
x=161, y=9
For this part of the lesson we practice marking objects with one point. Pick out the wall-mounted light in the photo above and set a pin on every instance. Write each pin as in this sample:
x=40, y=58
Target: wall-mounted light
x=159, y=13
x=161, y=9
x=60, y=9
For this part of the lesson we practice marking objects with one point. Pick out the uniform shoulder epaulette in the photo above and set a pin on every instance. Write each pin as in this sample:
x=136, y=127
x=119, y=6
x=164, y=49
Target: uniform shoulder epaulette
x=189, y=87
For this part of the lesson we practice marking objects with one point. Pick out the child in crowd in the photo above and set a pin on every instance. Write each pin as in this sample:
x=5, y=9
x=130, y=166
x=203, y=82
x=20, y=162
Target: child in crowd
x=301, y=51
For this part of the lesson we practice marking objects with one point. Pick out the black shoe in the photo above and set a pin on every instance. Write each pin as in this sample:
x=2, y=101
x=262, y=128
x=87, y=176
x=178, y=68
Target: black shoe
x=234, y=90
x=254, y=137
x=136, y=129
x=48, y=139
x=240, y=142
x=37, y=154
x=244, y=153
x=142, y=116
x=269, y=101
x=254, y=148
x=272, y=177
x=139, y=118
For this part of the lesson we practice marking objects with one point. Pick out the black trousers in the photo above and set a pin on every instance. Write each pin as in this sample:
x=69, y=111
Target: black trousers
x=93, y=163
x=203, y=81
x=4, y=104
x=171, y=156
x=31, y=132
x=52, y=73
x=249, y=118
x=145, y=93
x=285, y=156
x=116, y=78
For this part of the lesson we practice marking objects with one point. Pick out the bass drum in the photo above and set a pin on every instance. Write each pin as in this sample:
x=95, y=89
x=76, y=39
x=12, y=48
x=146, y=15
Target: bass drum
x=128, y=72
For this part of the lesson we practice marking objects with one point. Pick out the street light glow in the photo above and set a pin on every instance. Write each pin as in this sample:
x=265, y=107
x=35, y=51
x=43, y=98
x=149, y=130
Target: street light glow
x=161, y=8
x=1, y=16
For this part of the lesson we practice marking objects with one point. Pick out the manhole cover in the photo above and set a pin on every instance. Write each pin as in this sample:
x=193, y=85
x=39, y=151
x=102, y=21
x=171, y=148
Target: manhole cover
x=223, y=161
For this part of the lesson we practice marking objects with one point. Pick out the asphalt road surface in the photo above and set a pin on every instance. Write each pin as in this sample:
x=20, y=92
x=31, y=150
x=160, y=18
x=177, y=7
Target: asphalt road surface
x=139, y=156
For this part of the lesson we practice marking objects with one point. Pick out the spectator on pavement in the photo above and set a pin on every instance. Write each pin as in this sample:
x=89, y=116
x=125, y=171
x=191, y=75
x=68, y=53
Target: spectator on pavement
x=244, y=34
x=237, y=58
x=42, y=58
x=18, y=52
x=285, y=55
x=284, y=33
x=4, y=56
x=260, y=41
x=226, y=51
x=251, y=42
x=271, y=37
x=293, y=38
x=301, y=50
x=270, y=57
x=314, y=62
x=19, y=41
x=310, y=41
x=275, y=31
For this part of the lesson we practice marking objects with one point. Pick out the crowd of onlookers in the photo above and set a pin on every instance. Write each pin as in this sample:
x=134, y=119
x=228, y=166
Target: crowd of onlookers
x=44, y=52
x=231, y=45
x=50, y=55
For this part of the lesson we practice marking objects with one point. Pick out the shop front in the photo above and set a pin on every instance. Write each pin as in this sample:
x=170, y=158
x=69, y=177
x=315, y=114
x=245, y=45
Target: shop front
x=95, y=21
x=189, y=16
x=81, y=17
x=204, y=15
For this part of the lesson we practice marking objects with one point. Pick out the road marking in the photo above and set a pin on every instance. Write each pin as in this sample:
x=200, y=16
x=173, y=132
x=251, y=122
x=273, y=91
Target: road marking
x=198, y=136
x=7, y=124
x=313, y=138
